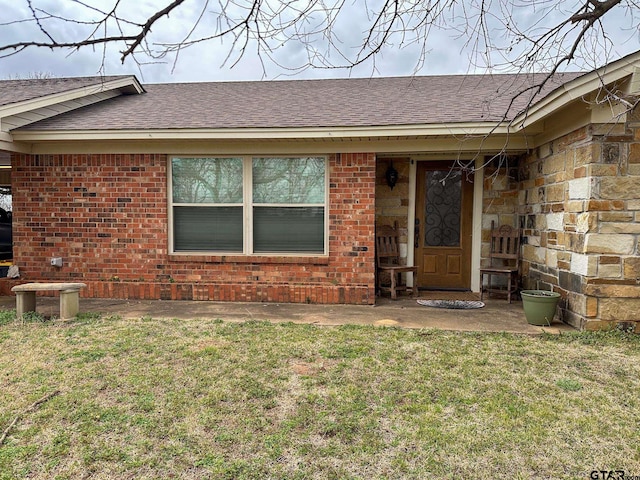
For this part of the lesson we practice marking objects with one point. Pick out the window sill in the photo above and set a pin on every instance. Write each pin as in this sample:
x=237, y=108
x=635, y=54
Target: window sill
x=281, y=259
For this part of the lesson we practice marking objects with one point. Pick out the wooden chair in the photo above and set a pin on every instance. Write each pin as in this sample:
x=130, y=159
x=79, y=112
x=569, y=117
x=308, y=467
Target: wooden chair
x=504, y=261
x=388, y=263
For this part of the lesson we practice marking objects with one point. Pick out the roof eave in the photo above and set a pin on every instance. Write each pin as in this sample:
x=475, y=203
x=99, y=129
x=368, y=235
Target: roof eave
x=474, y=129
x=576, y=89
x=127, y=85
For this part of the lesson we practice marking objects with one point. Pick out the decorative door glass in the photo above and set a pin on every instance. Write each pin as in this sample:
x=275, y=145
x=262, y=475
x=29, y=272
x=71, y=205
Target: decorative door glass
x=442, y=208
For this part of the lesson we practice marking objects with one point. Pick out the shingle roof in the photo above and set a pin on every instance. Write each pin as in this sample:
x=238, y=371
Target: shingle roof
x=308, y=103
x=14, y=91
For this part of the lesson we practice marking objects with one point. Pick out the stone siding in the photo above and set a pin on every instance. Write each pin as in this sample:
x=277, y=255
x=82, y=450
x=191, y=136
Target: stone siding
x=579, y=206
x=499, y=200
x=392, y=205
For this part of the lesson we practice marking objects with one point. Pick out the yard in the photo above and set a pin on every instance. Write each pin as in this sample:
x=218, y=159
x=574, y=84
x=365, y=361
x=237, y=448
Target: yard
x=208, y=399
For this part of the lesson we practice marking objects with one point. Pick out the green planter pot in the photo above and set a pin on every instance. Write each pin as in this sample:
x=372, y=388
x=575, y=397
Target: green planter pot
x=539, y=306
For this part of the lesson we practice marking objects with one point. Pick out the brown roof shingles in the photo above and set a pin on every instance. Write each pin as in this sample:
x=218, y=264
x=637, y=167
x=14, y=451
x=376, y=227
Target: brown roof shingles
x=307, y=103
x=15, y=91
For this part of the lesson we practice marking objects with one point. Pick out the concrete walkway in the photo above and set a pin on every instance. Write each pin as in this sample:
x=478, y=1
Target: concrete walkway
x=496, y=316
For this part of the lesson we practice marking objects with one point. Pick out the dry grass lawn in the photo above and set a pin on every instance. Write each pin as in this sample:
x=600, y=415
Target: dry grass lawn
x=193, y=399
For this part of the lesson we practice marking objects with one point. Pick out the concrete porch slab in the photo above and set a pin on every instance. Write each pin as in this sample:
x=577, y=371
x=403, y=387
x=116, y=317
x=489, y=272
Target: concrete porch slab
x=496, y=316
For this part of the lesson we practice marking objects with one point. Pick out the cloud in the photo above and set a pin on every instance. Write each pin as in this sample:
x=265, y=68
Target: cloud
x=444, y=53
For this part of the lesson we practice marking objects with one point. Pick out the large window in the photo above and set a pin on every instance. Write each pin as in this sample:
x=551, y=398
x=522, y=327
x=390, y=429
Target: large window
x=249, y=205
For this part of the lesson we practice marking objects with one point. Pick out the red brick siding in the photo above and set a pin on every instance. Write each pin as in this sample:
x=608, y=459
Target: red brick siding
x=106, y=216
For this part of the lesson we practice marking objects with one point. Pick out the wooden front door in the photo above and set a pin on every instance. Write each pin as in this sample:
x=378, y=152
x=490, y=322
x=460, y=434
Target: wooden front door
x=444, y=204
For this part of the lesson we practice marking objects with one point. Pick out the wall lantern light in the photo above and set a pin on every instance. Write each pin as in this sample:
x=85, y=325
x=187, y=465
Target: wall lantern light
x=391, y=175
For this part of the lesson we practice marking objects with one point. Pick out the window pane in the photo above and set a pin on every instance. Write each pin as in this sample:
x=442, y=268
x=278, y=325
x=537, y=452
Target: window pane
x=207, y=180
x=443, y=201
x=288, y=180
x=214, y=229
x=288, y=229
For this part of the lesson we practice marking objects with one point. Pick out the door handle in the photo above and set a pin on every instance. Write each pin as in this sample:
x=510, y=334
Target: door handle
x=416, y=235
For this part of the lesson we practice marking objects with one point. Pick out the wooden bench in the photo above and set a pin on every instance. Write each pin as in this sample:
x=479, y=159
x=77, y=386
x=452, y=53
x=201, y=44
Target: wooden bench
x=69, y=297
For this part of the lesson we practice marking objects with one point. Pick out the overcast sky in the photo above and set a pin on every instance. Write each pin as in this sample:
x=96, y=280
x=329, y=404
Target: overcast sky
x=205, y=61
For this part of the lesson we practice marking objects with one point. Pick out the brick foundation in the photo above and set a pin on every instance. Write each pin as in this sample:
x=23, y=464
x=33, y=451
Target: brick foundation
x=229, y=292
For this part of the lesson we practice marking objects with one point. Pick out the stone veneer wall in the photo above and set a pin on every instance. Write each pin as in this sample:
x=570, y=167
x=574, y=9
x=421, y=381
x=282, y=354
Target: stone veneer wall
x=392, y=205
x=579, y=206
x=499, y=201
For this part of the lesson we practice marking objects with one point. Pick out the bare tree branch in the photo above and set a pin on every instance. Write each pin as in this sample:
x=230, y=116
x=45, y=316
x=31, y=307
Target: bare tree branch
x=35, y=17
x=597, y=11
x=518, y=36
x=491, y=29
x=146, y=28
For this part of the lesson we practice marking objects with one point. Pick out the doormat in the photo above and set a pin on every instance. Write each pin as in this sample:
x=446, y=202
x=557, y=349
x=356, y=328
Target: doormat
x=452, y=304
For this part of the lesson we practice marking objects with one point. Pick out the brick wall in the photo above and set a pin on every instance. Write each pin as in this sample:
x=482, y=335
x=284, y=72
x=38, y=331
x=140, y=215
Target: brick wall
x=106, y=216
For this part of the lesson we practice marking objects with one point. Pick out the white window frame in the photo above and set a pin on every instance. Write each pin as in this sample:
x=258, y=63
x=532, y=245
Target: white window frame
x=247, y=207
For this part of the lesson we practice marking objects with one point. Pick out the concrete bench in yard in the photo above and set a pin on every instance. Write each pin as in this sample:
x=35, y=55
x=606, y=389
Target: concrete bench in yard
x=69, y=297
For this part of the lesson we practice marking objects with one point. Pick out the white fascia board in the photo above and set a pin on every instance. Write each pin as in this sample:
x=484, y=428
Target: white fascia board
x=11, y=147
x=437, y=130
x=131, y=83
x=7, y=144
x=634, y=84
x=578, y=88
